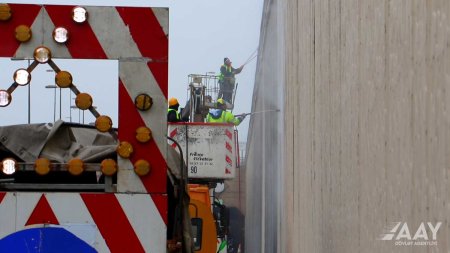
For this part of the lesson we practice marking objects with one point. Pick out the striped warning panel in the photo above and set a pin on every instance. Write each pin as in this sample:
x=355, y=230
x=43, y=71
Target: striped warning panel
x=123, y=222
x=138, y=38
x=105, y=222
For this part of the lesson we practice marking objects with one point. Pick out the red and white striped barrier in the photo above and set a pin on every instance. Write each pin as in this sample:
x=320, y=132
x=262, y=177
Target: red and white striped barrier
x=108, y=222
x=125, y=222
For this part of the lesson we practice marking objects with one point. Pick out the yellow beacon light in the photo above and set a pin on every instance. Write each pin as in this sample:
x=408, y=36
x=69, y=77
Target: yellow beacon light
x=5, y=12
x=63, y=79
x=141, y=167
x=83, y=101
x=75, y=166
x=143, y=102
x=109, y=167
x=103, y=123
x=125, y=149
x=42, y=166
x=143, y=134
x=23, y=33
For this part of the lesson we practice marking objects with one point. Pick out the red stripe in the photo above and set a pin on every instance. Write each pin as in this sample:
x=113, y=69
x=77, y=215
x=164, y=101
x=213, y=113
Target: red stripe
x=228, y=146
x=228, y=159
x=2, y=195
x=229, y=135
x=22, y=14
x=174, y=132
x=42, y=213
x=112, y=222
x=160, y=201
x=146, y=31
x=82, y=43
x=129, y=121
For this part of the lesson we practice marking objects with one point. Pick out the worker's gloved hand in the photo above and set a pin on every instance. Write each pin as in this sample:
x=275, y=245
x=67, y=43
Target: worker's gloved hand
x=241, y=118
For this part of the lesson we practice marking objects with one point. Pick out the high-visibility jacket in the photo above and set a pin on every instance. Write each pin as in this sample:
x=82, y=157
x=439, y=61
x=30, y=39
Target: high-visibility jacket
x=170, y=118
x=225, y=71
x=225, y=117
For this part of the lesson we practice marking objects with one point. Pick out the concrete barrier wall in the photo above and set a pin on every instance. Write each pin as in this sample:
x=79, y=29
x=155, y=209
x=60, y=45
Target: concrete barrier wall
x=365, y=126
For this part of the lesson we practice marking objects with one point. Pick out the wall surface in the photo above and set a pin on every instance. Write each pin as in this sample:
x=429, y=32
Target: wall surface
x=363, y=141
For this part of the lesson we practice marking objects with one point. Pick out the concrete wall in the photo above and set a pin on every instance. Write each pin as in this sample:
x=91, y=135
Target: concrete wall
x=365, y=125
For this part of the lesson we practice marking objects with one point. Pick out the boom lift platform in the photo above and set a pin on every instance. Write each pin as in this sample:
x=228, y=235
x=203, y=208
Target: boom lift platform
x=203, y=92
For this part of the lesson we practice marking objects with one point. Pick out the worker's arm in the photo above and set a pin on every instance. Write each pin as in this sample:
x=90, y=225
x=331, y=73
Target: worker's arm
x=238, y=70
x=229, y=118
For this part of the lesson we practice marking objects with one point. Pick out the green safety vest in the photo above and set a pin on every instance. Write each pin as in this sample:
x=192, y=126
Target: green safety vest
x=176, y=112
x=229, y=70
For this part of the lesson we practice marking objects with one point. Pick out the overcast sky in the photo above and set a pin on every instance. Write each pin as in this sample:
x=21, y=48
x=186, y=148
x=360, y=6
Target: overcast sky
x=201, y=34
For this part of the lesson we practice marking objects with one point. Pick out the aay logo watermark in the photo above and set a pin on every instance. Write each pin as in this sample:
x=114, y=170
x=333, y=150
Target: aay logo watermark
x=425, y=235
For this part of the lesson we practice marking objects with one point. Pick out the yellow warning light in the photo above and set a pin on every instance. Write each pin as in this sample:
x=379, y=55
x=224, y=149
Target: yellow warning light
x=5, y=12
x=75, y=166
x=22, y=77
x=125, y=149
x=42, y=166
x=109, y=167
x=9, y=166
x=79, y=14
x=141, y=167
x=63, y=79
x=103, y=123
x=143, y=134
x=83, y=101
x=143, y=102
x=60, y=35
x=5, y=98
x=42, y=54
x=23, y=33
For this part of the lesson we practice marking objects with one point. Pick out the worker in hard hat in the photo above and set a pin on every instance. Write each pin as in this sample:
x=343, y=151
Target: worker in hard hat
x=221, y=115
x=172, y=112
x=227, y=80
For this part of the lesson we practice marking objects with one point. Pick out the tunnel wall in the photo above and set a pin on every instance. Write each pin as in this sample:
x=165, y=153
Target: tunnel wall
x=364, y=135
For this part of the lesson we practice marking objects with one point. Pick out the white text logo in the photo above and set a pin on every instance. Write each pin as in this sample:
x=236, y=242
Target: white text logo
x=425, y=235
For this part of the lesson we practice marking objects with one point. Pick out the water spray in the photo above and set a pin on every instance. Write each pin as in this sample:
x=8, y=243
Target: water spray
x=251, y=57
x=251, y=113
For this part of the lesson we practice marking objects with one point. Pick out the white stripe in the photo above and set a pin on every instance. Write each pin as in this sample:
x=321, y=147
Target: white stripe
x=162, y=14
x=127, y=180
x=15, y=210
x=136, y=76
x=42, y=29
x=26, y=203
x=70, y=210
x=145, y=220
x=7, y=215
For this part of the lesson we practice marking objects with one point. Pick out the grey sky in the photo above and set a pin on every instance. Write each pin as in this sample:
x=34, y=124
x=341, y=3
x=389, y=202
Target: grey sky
x=202, y=33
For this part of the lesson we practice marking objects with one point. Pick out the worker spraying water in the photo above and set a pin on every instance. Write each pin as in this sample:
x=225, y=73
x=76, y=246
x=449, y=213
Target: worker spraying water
x=221, y=115
x=227, y=80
